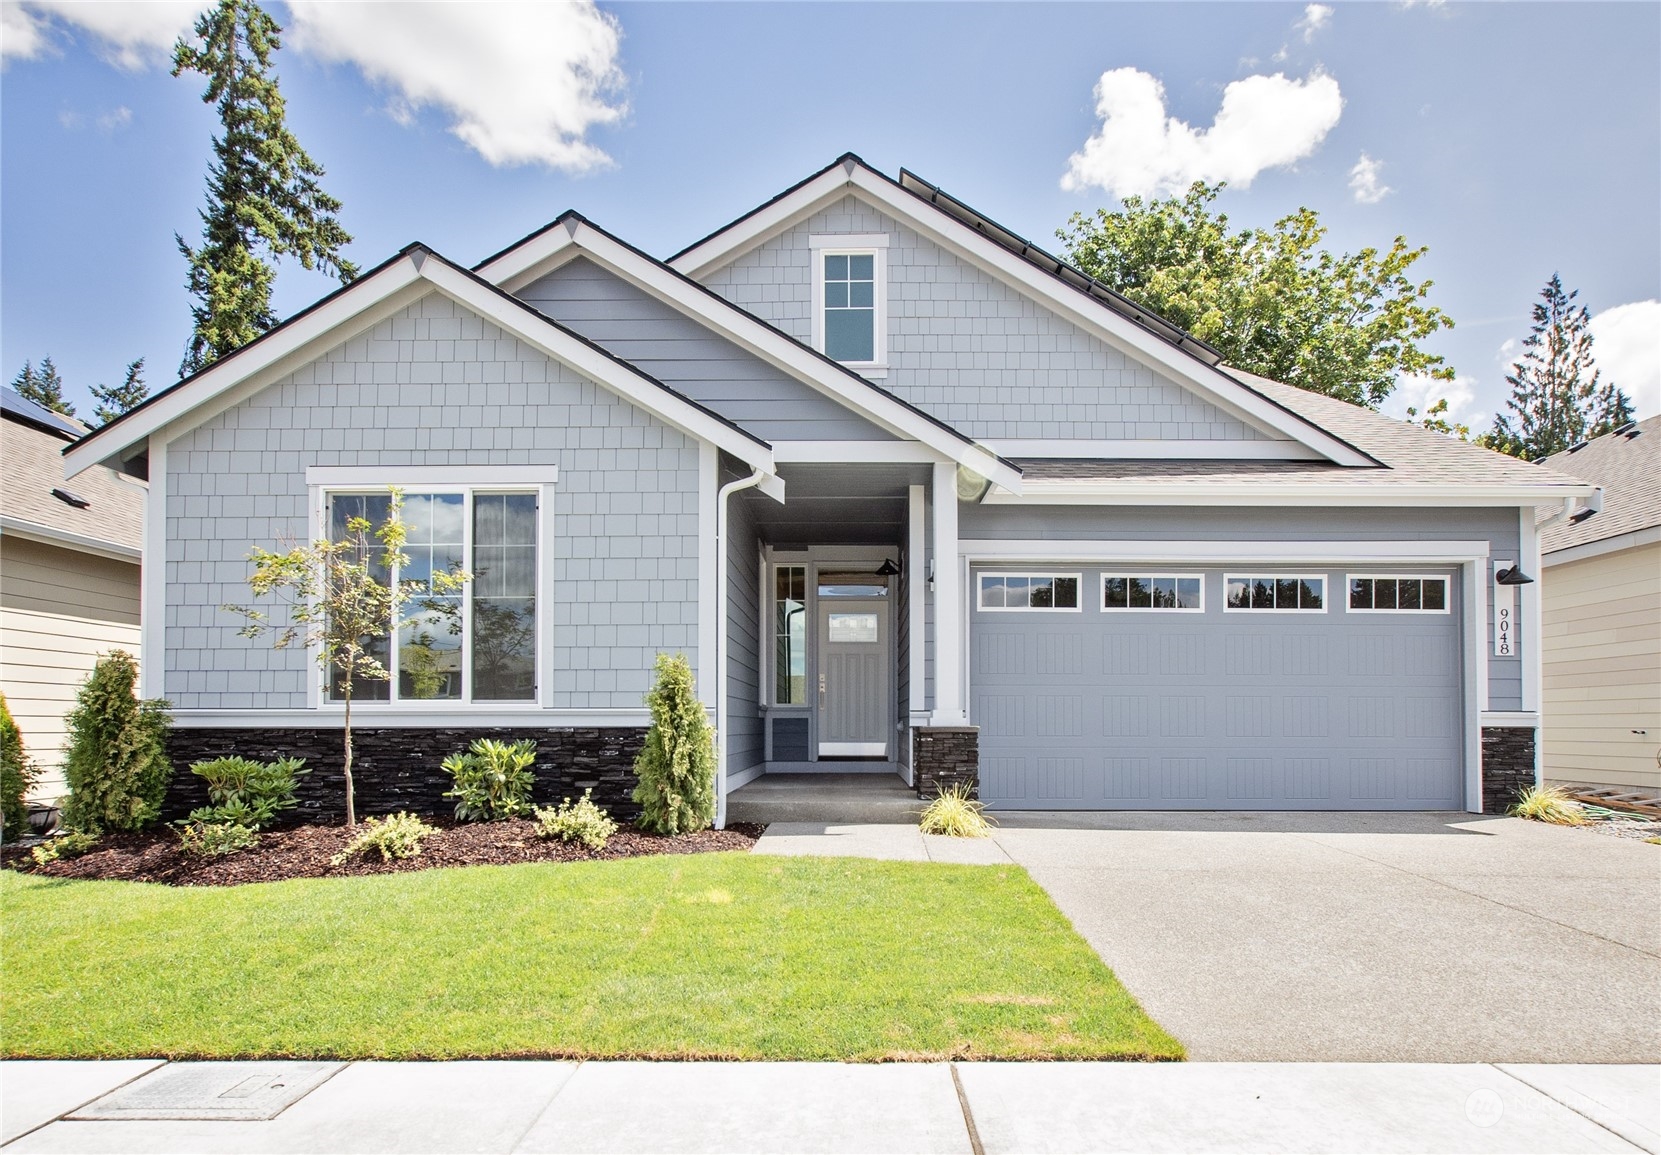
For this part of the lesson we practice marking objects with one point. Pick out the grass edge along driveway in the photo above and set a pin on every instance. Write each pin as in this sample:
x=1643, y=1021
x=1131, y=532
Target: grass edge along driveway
x=727, y=956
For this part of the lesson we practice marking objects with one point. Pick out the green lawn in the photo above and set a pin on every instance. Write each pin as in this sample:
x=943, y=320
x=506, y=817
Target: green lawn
x=715, y=955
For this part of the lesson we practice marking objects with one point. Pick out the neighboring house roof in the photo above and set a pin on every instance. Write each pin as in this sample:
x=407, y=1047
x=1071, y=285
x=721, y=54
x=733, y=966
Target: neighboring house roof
x=1068, y=292
x=571, y=233
x=1627, y=463
x=410, y=275
x=1416, y=461
x=111, y=520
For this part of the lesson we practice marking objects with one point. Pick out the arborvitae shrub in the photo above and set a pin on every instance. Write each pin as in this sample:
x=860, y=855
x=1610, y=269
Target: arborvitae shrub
x=677, y=766
x=17, y=774
x=116, y=765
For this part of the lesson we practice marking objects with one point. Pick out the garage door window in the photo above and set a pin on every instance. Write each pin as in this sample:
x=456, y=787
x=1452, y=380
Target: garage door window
x=1183, y=592
x=1276, y=593
x=1004, y=591
x=1392, y=594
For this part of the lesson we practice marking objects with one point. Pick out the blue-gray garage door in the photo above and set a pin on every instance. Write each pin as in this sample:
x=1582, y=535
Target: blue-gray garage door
x=1217, y=689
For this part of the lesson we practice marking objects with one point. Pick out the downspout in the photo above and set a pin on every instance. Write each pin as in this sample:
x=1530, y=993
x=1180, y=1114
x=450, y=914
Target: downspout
x=721, y=643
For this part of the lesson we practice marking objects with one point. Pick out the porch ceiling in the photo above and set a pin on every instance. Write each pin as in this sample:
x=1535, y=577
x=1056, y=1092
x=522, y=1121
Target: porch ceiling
x=837, y=505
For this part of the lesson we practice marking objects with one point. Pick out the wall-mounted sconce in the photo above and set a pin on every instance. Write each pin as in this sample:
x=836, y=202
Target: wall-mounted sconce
x=931, y=575
x=887, y=568
x=1514, y=576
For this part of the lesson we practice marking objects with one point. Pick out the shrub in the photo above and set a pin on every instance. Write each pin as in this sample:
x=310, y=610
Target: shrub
x=1550, y=804
x=71, y=845
x=493, y=780
x=953, y=812
x=18, y=773
x=396, y=837
x=245, y=792
x=215, y=839
x=584, y=822
x=677, y=766
x=116, y=764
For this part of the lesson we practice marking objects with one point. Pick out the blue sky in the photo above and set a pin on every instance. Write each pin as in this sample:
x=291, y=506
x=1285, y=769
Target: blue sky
x=1513, y=139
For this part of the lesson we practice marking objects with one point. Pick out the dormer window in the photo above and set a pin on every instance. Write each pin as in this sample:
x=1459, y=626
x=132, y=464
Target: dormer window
x=850, y=300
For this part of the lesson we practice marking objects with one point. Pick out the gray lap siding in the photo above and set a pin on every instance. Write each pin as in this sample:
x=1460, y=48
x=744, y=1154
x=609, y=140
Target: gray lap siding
x=437, y=385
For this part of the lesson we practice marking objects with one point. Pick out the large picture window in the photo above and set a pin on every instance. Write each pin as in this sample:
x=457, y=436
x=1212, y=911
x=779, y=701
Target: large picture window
x=475, y=645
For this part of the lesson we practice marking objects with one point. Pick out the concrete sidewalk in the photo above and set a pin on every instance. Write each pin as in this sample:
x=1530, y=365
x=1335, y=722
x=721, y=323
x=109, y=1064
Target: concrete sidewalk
x=833, y=1107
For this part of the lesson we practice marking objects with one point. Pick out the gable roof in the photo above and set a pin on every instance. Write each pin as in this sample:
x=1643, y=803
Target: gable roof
x=1001, y=253
x=413, y=273
x=572, y=234
x=1627, y=464
x=1417, y=465
x=109, y=521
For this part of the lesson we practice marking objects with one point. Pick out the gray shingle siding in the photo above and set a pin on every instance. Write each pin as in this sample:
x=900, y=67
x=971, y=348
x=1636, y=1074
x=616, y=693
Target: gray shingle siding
x=681, y=353
x=971, y=350
x=437, y=385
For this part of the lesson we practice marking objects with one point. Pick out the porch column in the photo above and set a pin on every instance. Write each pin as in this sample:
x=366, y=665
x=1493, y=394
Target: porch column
x=948, y=602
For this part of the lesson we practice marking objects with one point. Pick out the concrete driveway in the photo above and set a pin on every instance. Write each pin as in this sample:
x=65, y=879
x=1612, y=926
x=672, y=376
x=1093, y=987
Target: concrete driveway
x=1446, y=938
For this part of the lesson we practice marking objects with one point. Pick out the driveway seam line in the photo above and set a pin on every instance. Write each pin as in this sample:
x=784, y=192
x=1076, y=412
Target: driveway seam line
x=1481, y=897
x=546, y=1107
x=1567, y=1106
x=968, y=1115
x=59, y=1118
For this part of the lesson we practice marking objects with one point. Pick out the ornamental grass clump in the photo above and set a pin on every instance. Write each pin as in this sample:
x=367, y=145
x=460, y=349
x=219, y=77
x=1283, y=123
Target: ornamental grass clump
x=582, y=822
x=955, y=813
x=116, y=764
x=399, y=836
x=676, y=767
x=1550, y=804
x=493, y=780
x=18, y=774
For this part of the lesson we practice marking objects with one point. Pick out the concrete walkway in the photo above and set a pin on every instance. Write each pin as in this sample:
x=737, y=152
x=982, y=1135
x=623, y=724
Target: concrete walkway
x=1438, y=938
x=971, y=1108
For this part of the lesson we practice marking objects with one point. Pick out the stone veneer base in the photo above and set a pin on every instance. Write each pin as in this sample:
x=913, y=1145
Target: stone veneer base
x=400, y=769
x=945, y=756
x=1507, y=766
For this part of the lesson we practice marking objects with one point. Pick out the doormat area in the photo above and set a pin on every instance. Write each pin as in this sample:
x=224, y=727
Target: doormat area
x=230, y=1091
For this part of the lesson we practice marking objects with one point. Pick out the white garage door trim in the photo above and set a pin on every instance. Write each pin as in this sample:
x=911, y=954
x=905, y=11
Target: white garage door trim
x=1470, y=556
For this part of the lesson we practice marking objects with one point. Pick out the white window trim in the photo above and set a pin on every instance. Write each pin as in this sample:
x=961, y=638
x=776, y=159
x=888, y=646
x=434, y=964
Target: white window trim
x=321, y=481
x=1326, y=592
x=1149, y=576
x=1447, y=591
x=874, y=245
x=980, y=592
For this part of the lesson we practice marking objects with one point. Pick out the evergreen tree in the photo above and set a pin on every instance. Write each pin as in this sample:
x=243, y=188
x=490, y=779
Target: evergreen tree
x=263, y=196
x=1558, y=397
x=676, y=767
x=43, y=386
x=115, y=760
x=116, y=400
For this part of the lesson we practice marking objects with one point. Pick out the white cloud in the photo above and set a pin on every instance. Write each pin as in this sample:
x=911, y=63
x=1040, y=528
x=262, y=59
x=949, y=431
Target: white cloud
x=1421, y=392
x=521, y=83
x=107, y=122
x=133, y=36
x=1315, y=18
x=1264, y=122
x=1365, y=182
x=1626, y=343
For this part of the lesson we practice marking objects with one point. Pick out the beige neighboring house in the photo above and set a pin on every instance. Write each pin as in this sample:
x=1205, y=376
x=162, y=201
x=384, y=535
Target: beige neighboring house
x=69, y=575
x=1602, y=618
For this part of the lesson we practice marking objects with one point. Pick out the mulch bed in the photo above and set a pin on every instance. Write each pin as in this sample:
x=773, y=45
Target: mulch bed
x=304, y=852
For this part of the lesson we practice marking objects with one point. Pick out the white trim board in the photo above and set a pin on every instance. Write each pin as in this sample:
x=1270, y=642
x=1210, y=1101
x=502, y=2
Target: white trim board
x=1232, y=553
x=1379, y=491
x=369, y=717
x=65, y=539
x=1608, y=545
x=992, y=258
x=547, y=251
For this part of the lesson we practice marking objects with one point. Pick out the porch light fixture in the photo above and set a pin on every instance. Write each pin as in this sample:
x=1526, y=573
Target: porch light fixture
x=887, y=568
x=1514, y=576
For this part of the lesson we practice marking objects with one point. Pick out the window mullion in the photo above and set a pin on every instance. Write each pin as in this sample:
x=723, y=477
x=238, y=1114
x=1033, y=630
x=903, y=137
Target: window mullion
x=466, y=596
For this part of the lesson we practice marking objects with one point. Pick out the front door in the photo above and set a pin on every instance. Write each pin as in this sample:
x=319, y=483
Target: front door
x=854, y=692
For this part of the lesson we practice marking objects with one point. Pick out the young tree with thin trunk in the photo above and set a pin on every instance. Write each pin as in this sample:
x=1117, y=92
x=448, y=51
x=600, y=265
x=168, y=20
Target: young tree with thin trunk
x=340, y=598
x=115, y=400
x=264, y=200
x=1558, y=397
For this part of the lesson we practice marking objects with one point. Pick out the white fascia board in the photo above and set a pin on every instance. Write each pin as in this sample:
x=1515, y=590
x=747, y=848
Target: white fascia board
x=956, y=237
x=1154, y=450
x=558, y=246
x=1599, y=548
x=524, y=262
x=1223, y=552
x=552, y=341
x=1291, y=493
x=79, y=542
x=366, y=301
x=848, y=452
